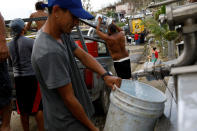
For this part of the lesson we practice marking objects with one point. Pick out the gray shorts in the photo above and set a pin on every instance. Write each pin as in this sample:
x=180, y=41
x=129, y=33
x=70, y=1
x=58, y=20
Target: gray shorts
x=5, y=85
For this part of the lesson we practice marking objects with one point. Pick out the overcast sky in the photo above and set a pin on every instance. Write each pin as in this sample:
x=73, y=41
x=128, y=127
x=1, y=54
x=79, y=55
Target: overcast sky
x=11, y=9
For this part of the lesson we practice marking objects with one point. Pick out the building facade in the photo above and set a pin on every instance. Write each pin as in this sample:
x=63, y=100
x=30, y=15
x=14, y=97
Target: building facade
x=125, y=8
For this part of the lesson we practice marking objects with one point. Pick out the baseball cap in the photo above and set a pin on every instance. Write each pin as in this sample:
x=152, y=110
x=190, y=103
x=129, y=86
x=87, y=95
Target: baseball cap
x=74, y=6
x=17, y=25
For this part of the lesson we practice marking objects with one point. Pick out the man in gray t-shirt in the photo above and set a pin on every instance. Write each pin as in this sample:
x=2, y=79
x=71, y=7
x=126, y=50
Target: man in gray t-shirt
x=66, y=104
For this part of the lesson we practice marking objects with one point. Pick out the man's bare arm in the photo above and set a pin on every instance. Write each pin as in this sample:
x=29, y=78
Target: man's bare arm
x=102, y=35
x=99, y=33
x=71, y=102
x=93, y=65
x=3, y=47
x=2, y=30
x=28, y=26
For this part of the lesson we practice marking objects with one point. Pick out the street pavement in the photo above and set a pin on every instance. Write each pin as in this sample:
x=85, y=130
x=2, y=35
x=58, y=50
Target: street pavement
x=16, y=123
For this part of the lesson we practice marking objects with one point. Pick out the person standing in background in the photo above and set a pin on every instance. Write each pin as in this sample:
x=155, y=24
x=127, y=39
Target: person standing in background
x=115, y=40
x=27, y=91
x=154, y=55
x=136, y=37
x=40, y=12
x=5, y=85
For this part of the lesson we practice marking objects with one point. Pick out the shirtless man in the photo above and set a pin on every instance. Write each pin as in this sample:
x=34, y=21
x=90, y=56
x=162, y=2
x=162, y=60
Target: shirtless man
x=115, y=40
x=5, y=85
x=39, y=13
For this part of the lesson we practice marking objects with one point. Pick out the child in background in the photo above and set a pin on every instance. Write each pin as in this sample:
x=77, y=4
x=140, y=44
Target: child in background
x=154, y=55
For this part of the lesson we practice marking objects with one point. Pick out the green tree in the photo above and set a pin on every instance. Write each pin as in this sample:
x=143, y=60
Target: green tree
x=160, y=31
x=110, y=13
x=160, y=11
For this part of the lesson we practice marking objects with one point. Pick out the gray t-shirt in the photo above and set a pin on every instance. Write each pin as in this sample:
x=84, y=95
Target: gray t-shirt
x=55, y=66
x=22, y=66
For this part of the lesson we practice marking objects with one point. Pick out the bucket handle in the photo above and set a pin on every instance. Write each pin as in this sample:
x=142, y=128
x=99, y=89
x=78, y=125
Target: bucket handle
x=115, y=86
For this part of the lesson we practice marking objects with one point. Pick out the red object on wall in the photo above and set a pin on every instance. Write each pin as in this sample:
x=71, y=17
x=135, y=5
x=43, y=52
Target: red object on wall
x=91, y=46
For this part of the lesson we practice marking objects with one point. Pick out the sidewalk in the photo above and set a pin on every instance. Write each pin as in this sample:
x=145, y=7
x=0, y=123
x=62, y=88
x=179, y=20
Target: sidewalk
x=16, y=123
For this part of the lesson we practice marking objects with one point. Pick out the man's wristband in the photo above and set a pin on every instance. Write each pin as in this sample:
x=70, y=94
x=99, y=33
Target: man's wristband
x=106, y=74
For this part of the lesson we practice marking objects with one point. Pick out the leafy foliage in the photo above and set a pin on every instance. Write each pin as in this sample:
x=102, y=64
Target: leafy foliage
x=171, y=35
x=159, y=31
x=120, y=24
x=153, y=27
x=162, y=10
x=110, y=14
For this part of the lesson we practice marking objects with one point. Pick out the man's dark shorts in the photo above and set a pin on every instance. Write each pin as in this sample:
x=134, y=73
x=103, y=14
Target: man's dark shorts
x=123, y=69
x=27, y=94
x=5, y=85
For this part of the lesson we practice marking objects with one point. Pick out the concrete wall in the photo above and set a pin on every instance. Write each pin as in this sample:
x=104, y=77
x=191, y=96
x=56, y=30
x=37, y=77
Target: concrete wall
x=127, y=8
x=133, y=6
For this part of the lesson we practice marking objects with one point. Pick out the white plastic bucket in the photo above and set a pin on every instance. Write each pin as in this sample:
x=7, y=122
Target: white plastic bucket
x=134, y=107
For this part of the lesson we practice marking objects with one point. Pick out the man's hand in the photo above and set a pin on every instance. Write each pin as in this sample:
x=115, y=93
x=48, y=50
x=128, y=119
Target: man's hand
x=110, y=81
x=95, y=129
x=3, y=52
x=99, y=20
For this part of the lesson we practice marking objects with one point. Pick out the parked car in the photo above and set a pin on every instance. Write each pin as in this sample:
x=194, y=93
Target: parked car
x=96, y=86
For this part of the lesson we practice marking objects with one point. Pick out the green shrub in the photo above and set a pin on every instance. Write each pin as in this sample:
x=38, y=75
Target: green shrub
x=170, y=35
x=120, y=24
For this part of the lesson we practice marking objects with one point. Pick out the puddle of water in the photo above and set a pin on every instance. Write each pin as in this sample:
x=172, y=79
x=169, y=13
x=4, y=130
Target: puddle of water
x=142, y=91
